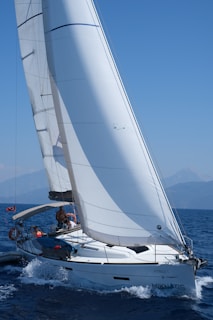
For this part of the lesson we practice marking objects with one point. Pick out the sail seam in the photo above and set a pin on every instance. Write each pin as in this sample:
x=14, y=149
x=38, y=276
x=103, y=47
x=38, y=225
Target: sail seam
x=36, y=15
x=114, y=210
x=97, y=166
x=74, y=24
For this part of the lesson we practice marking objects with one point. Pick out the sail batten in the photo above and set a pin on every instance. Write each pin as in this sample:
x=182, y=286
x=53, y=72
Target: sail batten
x=30, y=18
x=73, y=24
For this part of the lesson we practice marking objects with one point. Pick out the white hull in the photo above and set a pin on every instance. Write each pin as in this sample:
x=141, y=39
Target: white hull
x=94, y=265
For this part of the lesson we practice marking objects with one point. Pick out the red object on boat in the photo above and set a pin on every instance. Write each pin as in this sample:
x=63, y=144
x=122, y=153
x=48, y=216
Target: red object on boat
x=13, y=208
x=57, y=246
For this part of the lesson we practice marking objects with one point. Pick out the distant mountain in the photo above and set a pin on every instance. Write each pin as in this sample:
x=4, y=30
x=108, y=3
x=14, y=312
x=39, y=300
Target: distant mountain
x=182, y=176
x=191, y=195
x=184, y=190
x=28, y=188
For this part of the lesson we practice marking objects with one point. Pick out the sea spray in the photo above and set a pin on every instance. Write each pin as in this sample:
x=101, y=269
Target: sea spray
x=140, y=291
x=42, y=273
x=6, y=291
x=201, y=282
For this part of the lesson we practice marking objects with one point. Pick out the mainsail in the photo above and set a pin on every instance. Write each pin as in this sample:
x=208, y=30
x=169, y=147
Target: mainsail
x=117, y=191
x=33, y=52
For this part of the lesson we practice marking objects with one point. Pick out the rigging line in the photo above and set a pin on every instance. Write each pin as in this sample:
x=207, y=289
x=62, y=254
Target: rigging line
x=16, y=123
x=124, y=95
x=131, y=113
x=139, y=134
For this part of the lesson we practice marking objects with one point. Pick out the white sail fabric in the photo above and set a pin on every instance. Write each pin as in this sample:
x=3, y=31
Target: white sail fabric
x=119, y=197
x=33, y=52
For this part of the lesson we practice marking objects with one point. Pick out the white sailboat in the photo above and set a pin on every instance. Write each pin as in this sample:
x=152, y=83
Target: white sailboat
x=128, y=235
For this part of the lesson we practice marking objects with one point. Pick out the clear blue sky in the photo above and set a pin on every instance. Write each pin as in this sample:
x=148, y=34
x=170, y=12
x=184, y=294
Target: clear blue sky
x=164, y=51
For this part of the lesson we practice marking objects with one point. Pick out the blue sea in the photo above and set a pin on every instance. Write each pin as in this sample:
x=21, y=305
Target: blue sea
x=32, y=291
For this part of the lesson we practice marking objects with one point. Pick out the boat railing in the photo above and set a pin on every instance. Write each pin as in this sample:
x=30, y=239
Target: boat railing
x=189, y=241
x=189, y=245
x=171, y=257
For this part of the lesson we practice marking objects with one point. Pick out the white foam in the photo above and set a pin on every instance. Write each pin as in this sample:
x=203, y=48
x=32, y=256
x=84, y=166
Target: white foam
x=10, y=269
x=41, y=273
x=148, y=292
x=140, y=291
x=201, y=282
x=6, y=291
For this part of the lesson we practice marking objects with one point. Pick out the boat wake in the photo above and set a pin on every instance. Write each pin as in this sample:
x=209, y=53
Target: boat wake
x=41, y=273
x=6, y=291
x=148, y=292
x=139, y=292
x=202, y=282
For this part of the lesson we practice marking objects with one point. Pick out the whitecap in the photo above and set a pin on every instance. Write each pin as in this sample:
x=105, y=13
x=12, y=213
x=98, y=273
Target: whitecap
x=11, y=269
x=41, y=273
x=6, y=291
x=140, y=291
x=201, y=282
x=152, y=291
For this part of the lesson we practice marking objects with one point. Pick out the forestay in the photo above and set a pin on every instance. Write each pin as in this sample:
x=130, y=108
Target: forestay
x=33, y=52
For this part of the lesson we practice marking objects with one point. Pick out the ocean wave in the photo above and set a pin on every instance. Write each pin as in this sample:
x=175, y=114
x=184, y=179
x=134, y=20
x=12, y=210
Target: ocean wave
x=205, y=281
x=6, y=291
x=41, y=273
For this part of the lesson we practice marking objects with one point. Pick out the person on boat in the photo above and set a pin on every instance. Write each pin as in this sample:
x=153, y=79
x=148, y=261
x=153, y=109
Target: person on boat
x=63, y=218
x=20, y=227
x=37, y=232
